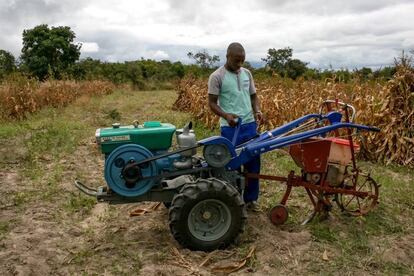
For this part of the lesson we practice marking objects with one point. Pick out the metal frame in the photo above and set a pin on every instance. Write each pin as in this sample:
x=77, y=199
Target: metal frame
x=274, y=139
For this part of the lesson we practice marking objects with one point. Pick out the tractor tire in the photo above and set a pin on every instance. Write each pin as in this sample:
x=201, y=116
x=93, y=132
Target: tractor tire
x=207, y=214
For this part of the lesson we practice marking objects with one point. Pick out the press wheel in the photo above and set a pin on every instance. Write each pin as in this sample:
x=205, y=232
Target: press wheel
x=358, y=205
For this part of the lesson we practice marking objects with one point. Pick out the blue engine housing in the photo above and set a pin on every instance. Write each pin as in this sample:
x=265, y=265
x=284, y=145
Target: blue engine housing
x=121, y=156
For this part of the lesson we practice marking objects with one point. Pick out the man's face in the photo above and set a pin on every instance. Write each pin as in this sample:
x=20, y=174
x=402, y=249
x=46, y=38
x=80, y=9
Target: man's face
x=235, y=60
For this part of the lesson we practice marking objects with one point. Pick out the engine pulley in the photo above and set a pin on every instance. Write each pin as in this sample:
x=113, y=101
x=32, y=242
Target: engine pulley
x=122, y=174
x=217, y=155
x=131, y=173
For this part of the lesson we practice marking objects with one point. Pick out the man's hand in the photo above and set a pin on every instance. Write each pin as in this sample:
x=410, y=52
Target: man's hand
x=231, y=119
x=259, y=117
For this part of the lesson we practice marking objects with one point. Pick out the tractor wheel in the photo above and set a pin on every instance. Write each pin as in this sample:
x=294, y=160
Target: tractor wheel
x=207, y=214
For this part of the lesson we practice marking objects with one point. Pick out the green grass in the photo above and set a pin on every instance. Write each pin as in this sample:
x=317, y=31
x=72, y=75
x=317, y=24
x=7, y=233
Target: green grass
x=4, y=228
x=82, y=256
x=79, y=203
x=19, y=199
x=10, y=129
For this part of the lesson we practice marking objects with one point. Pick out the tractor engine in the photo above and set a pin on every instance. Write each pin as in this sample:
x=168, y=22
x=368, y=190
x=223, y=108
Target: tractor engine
x=125, y=146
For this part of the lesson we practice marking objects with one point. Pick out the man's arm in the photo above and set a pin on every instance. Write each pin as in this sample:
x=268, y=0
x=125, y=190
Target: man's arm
x=258, y=115
x=229, y=117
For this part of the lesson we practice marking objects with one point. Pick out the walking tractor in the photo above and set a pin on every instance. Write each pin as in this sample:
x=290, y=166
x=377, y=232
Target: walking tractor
x=204, y=194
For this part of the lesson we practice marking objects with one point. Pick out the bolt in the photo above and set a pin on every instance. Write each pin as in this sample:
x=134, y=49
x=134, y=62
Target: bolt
x=207, y=215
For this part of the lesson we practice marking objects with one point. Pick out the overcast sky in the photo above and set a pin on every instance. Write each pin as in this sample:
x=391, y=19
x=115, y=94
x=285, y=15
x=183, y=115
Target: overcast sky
x=351, y=33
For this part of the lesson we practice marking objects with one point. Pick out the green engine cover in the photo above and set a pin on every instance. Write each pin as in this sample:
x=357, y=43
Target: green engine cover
x=151, y=135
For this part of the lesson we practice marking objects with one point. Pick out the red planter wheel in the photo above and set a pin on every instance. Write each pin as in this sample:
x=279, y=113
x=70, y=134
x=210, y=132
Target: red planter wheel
x=279, y=214
x=357, y=205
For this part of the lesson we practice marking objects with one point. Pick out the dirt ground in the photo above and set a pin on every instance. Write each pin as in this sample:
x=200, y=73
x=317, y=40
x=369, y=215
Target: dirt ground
x=48, y=228
x=44, y=240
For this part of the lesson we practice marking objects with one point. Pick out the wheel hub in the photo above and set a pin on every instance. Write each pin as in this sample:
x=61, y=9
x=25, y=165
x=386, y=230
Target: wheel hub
x=279, y=214
x=358, y=205
x=217, y=156
x=209, y=220
x=207, y=215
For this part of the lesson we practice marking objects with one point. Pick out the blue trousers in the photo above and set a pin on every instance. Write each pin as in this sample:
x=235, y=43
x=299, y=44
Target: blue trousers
x=247, y=132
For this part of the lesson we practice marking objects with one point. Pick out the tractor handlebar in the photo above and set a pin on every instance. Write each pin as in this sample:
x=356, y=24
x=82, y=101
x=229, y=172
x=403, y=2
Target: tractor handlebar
x=344, y=105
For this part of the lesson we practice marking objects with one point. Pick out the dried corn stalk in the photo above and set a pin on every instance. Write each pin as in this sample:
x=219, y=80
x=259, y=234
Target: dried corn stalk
x=20, y=95
x=388, y=106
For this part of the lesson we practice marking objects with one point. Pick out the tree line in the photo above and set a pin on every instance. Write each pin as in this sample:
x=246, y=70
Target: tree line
x=50, y=52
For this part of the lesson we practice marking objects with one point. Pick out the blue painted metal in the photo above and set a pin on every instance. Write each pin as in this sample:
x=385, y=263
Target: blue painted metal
x=118, y=158
x=270, y=140
x=166, y=164
x=254, y=148
x=116, y=162
x=285, y=128
x=334, y=117
x=236, y=133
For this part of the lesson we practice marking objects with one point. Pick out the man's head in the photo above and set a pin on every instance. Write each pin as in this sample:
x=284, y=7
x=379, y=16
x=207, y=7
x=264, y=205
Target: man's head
x=235, y=56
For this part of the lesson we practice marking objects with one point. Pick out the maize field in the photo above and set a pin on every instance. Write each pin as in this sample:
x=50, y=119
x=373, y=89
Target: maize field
x=20, y=96
x=389, y=106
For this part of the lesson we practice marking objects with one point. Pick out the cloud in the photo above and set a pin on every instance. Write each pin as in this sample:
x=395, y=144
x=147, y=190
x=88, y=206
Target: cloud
x=158, y=55
x=18, y=15
x=89, y=47
x=349, y=33
x=327, y=8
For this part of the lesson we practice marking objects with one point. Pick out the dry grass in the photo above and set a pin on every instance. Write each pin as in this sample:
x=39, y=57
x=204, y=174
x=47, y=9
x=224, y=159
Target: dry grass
x=48, y=228
x=20, y=95
x=389, y=106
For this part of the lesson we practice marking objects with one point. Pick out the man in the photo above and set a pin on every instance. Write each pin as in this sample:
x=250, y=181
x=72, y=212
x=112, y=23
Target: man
x=232, y=95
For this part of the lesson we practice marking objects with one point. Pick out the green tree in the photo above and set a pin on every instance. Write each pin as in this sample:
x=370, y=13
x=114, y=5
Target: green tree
x=364, y=73
x=277, y=59
x=49, y=50
x=204, y=59
x=280, y=60
x=312, y=74
x=248, y=66
x=385, y=73
x=295, y=68
x=178, y=69
x=133, y=73
x=87, y=69
x=7, y=63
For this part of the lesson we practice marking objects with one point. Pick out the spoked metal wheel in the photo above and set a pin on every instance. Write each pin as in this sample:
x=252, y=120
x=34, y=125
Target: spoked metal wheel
x=362, y=204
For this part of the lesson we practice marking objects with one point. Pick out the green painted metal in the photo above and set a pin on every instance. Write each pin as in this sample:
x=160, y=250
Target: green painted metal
x=152, y=124
x=152, y=135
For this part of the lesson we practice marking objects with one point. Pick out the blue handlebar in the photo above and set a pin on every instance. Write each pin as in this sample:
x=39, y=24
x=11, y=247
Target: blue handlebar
x=236, y=133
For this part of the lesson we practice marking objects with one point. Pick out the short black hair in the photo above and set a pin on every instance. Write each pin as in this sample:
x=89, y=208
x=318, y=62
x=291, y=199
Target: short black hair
x=235, y=46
